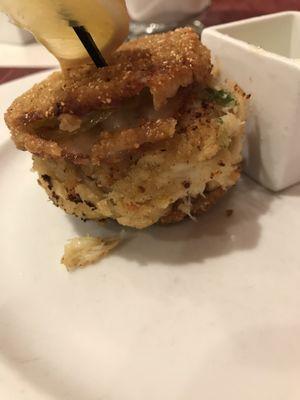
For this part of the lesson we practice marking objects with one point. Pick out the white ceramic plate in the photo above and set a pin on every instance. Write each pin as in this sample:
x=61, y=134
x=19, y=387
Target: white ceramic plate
x=207, y=310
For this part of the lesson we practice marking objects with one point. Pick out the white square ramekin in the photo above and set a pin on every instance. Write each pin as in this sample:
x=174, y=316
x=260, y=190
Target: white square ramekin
x=263, y=56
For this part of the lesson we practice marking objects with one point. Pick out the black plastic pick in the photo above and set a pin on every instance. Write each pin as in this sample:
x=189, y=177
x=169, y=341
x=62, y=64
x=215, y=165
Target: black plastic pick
x=88, y=42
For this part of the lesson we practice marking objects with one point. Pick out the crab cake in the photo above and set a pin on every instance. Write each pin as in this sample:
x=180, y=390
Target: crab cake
x=148, y=139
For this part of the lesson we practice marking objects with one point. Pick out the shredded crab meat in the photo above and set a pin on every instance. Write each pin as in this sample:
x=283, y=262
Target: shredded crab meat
x=83, y=251
x=186, y=207
x=69, y=123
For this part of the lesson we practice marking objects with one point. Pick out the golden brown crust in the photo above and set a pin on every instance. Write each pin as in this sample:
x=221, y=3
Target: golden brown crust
x=106, y=145
x=200, y=205
x=102, y=149
x=162, y=63
x=111, y=144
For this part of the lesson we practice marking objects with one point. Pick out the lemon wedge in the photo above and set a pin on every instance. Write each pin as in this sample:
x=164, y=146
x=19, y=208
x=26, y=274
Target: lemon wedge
x=52, y=23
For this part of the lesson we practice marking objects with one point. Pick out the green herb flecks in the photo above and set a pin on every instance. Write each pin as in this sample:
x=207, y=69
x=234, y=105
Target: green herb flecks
x=221, y=97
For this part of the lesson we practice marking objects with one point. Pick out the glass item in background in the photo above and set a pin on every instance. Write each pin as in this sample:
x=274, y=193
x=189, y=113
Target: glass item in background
x=162, y=15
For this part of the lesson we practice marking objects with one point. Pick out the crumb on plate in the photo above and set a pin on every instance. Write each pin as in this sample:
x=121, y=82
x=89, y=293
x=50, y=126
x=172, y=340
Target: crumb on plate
x=229, y=213
x=82, y=251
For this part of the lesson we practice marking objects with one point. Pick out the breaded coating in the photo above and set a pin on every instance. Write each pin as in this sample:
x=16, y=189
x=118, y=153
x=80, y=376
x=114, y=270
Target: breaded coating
x=162, y=63
x=116, y=143
x=192, y=207
x=148, y=139
x=165, y=181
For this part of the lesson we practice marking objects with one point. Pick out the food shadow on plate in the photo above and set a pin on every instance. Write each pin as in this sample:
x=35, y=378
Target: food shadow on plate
x=232, y=225
x=293, y=191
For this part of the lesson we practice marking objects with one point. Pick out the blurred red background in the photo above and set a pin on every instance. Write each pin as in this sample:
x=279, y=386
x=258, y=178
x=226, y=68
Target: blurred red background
x=231, y=10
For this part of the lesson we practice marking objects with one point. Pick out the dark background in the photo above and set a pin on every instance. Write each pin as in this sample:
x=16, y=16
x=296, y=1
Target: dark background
x=231, y=10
